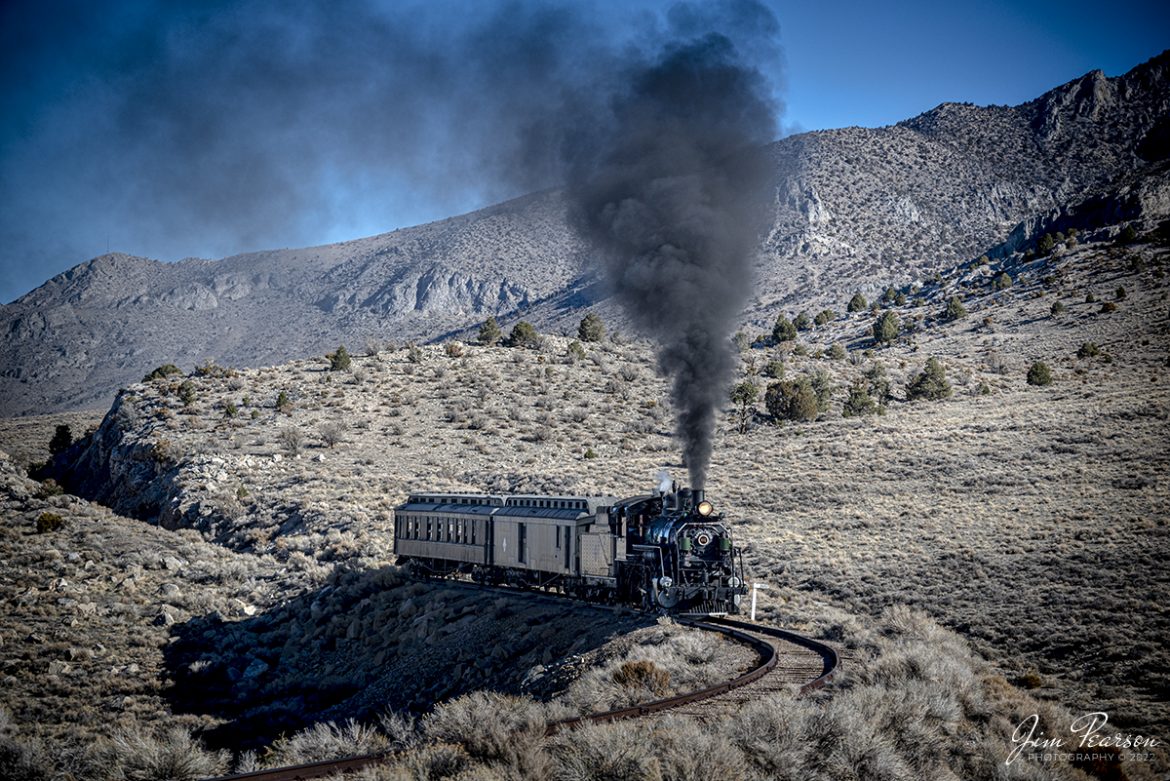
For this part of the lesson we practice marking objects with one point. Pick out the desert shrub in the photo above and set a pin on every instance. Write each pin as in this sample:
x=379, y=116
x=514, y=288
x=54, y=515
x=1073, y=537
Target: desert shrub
x=802, y=322
x=793, y=400
x=931, y=384
x=590, y=454
x=61, y=440
x=49, y=522
x=642, y=674
x=1128, y=235
x=524, y=334
x=1030, y=680
x=741, y=341
x=1108, y=307
x=886, y=328
x=340, y=360
x=331, y=433
x=490, y=726
x=1119, y=294
x=1090, y=298
x=453, y=349
x=489, y=332
x=283, y=403
x=211, y=369
x=162, y=372
x=22, y=760
x=1088, y=350
x=591, y=329
x=607, y=752
x=291, y=439
x=837, y=351
x=1002, y=281
x=1039, y=374
x=413, y=353
x=823, y=388
x=955, y=309
x=857, y=303
x=824, y=317
x=135, y=755
x=744, y=395
x=1046, y=244
x=326, y=740
x=889, y=295
x=49, y=487
x=1057, y=309
x=900, y=299
x=575, y=351
x=859, y=401
x=230, y=410
x=878, y=384
x=774, y=369
x=187, y=393
x=783, y=330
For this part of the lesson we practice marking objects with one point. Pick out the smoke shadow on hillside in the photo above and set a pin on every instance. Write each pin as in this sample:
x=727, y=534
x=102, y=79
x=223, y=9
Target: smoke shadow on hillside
x=368, y=642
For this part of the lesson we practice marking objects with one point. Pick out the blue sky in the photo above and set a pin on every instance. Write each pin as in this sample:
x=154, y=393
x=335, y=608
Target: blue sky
x=126, y=122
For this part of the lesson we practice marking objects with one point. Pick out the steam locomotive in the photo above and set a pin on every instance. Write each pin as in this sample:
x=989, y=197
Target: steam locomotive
x=668, y=551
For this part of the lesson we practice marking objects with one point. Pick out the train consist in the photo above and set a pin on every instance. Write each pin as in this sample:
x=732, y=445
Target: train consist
x=669, y=551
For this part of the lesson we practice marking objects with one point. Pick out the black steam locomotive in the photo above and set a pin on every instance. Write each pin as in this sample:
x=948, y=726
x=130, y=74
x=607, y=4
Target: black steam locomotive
x=668, y=551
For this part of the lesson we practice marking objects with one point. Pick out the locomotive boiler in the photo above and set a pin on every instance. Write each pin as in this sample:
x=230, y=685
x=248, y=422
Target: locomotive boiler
x=669, y=551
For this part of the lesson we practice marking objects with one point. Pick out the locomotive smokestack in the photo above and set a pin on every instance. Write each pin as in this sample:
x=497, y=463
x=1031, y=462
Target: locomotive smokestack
x=698, y=495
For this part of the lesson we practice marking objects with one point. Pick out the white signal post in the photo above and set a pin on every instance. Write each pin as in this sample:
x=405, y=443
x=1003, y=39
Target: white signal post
x=755, y=589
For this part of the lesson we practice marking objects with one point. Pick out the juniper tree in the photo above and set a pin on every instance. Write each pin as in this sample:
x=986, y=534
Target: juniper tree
x=886, y=327
x=591, y=329
x=339, y=361
x=745, y=395
x=62, y=439
x=524, y=334
x=1039, y=374
x=489, y=332
x=859, y=401
x=783, y=330
x=792, y=400
x=931, y=384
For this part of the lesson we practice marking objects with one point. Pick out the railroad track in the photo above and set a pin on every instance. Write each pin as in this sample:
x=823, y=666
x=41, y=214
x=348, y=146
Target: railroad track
x=788, y=662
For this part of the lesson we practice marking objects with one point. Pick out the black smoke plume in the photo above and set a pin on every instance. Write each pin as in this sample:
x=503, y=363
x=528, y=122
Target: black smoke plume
x=668, y=189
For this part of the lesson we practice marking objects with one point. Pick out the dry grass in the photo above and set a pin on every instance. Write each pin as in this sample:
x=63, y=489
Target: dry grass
x=1031, y=522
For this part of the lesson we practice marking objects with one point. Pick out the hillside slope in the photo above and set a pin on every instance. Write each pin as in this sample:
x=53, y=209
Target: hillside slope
x=854, y=208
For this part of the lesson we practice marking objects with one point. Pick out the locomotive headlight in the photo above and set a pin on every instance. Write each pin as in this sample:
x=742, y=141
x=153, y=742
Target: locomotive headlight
x=706, y=508
x=733, y=582
x=665, y=581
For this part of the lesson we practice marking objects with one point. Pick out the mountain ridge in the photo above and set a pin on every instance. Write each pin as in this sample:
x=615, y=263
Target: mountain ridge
x=853, y=208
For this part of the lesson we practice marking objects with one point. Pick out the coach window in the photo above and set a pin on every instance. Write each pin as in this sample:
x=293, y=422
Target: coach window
x=473, y=525
x=428, y=528
x=523, y=549
x=558, y=538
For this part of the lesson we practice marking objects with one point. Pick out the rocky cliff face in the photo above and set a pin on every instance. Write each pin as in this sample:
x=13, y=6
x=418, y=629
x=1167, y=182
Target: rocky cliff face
x=853, y=208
